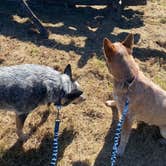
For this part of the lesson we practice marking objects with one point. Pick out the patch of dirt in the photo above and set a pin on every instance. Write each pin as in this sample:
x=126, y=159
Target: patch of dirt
x=76, y=35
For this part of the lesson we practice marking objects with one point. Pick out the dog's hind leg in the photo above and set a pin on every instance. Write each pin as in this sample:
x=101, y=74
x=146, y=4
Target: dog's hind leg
x=20, y=119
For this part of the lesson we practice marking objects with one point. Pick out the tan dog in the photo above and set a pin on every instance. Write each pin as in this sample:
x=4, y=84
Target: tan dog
x=147, y=101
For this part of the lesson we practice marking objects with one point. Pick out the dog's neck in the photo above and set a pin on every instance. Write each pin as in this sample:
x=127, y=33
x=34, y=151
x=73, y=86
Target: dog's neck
x=125, y=82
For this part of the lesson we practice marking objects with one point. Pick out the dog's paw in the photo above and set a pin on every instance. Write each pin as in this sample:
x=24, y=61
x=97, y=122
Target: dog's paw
x=111, y=103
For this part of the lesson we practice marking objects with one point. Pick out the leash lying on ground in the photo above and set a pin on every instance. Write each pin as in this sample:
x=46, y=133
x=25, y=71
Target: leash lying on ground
x=55, y=141
x=118, y=132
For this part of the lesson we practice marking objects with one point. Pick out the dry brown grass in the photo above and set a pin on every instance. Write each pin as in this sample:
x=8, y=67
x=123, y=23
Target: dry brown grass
x=87, y=130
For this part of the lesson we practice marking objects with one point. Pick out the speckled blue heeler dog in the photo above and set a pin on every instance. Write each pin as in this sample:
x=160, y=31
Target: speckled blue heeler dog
x=24, y=87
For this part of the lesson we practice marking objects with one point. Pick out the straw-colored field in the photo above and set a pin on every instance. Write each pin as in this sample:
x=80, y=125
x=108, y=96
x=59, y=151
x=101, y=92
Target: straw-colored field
x=86, y=130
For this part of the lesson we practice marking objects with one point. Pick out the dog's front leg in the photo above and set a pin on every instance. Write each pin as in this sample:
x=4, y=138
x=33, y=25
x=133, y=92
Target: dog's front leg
x=20, y=119
x=125, y=134
x=111, y=103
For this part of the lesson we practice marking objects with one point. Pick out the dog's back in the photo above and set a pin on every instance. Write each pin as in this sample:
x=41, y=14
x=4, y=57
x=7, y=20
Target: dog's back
x=148, y=101
x=20, y=72
x=23, y=87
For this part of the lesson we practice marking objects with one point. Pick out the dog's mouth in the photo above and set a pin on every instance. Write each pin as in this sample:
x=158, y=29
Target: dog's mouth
x=66, y=101
x=79, y=100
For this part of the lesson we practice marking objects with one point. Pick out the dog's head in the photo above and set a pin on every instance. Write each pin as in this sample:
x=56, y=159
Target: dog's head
x=72, y=92
x=119, y=59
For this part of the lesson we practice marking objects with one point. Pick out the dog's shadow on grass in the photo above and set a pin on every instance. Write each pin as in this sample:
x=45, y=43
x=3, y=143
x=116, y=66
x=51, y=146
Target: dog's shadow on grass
x=33, y=129
x=18, y=156
x=104, y=155
x=65, y=139
x=41, y=156
x=103, y=158
x=80, y=163
x=142, y=149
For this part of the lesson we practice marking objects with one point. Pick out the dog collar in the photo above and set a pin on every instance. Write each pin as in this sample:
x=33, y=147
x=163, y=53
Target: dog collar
x=129, y=82
x=59, y=102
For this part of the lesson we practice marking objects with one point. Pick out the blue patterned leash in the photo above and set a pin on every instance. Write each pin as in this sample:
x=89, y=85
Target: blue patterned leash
x=55, y=141
x=118, y=132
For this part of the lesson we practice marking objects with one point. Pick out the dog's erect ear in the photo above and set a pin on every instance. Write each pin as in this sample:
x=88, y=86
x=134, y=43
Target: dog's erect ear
x=128, y=42
x=68, y=70
x=109, y=48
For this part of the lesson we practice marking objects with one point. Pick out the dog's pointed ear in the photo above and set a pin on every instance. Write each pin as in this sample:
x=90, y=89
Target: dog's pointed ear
x=128, y=42
x=68, y=70
x=109, y=49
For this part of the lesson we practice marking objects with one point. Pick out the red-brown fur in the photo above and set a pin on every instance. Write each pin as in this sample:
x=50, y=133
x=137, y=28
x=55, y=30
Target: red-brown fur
x=147, y=101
